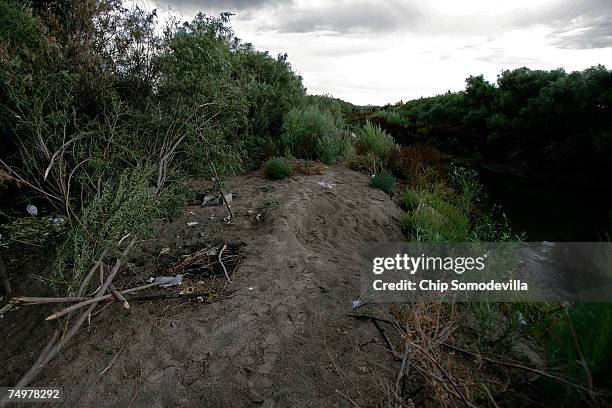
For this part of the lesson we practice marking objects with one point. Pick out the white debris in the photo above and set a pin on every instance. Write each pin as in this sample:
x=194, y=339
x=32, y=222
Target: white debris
x=167, y=281
x=192, y=223
x=32, y=210
x=325, y=184
x=164, y=251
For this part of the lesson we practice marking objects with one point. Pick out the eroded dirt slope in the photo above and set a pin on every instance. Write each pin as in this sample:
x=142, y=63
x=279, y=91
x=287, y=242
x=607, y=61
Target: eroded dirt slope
x=284, y=338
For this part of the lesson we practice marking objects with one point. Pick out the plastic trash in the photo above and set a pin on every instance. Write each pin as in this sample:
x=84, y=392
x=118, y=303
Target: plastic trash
x=325, y=184
x=32, y=210
x=210, y=200
x=167, y=281
x=57, y=219
x=192, y=223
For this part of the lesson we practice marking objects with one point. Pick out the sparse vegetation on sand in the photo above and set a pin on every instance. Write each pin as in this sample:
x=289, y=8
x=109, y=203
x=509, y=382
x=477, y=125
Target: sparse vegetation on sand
x=110, y=124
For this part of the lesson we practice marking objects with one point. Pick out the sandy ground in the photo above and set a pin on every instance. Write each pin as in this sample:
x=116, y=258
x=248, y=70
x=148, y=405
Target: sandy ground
x=285, y=337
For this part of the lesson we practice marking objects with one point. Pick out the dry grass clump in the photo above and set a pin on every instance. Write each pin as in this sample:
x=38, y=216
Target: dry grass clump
x=310, y=168
x=432, y=373
x=418, y=165
x=5, y=177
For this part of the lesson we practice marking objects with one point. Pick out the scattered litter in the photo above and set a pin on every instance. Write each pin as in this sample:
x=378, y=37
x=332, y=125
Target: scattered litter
x=206, y=262
x=167, y=281
x=200, y=299
x=164, y=251
x=212, y=217
x=251, y=288
x=215, y=200
x=250, y=212
x=187, y=291
x=57, y=219
x=192, y=213
x=325, y=184
x=32, y=210
x=210, y=200
x=358, y=303
x=7, y=308
x=192, y=223
x=227, y=219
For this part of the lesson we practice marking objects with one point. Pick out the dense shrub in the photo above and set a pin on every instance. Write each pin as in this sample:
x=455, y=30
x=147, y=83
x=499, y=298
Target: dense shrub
x=418, y=165
x=97, y=102
x=311, y=133
x=373, y=139
x=384, y=181
x=434, y=217
x=278, y=168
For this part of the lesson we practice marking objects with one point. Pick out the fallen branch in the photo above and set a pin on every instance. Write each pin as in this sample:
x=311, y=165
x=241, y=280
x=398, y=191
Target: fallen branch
x=53, y=348
x=97, y=300
x=25, y=300
x=119, y=296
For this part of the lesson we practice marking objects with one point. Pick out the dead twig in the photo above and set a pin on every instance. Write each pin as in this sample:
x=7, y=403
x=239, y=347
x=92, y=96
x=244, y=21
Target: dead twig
x=222, y=265
x=385, y=337
x=524, y=368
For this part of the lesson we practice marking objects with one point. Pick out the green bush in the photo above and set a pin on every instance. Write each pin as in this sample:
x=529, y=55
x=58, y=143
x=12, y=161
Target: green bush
x=277, y=169
x=384, y=181
x=312, y=133
x=373, y=139
x=434, y=217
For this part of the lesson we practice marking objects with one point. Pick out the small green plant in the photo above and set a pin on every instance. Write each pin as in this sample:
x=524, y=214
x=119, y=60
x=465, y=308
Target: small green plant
x=384, y=181
x=278, y=168
x=373, y=139
x=311, y=133
x=434, y=216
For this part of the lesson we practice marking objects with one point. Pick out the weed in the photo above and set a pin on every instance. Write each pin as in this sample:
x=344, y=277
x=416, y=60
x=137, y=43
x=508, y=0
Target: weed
x=278, y=168
x=373, y=139
x=311, y=133
x=384, y=181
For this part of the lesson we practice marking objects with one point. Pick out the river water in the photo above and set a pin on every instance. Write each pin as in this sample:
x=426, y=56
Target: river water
x=551, y=210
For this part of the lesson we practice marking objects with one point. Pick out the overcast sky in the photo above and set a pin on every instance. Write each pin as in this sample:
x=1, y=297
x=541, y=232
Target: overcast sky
x=377, y=52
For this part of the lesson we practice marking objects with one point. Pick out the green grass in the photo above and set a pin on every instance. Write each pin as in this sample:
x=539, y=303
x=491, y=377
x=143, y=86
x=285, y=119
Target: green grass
x=434, y=216
x=278, y=168
x=384, y=181
x=312, y=133
x=373, y=139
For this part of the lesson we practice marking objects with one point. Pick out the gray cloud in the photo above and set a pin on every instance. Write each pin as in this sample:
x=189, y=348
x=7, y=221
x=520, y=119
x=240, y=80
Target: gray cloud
x=362, y=16
x=577, y=24
x=192, y=6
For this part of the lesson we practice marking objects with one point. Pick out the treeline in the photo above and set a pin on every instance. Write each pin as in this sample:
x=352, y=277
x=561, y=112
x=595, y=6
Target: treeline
x=104, y=114
x=534, y=120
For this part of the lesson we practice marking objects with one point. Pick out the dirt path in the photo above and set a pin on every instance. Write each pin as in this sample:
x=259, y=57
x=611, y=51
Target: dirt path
x=283, y=340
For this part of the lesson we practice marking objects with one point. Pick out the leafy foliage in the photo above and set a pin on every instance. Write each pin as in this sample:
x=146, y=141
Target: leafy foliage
x=312, y=133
